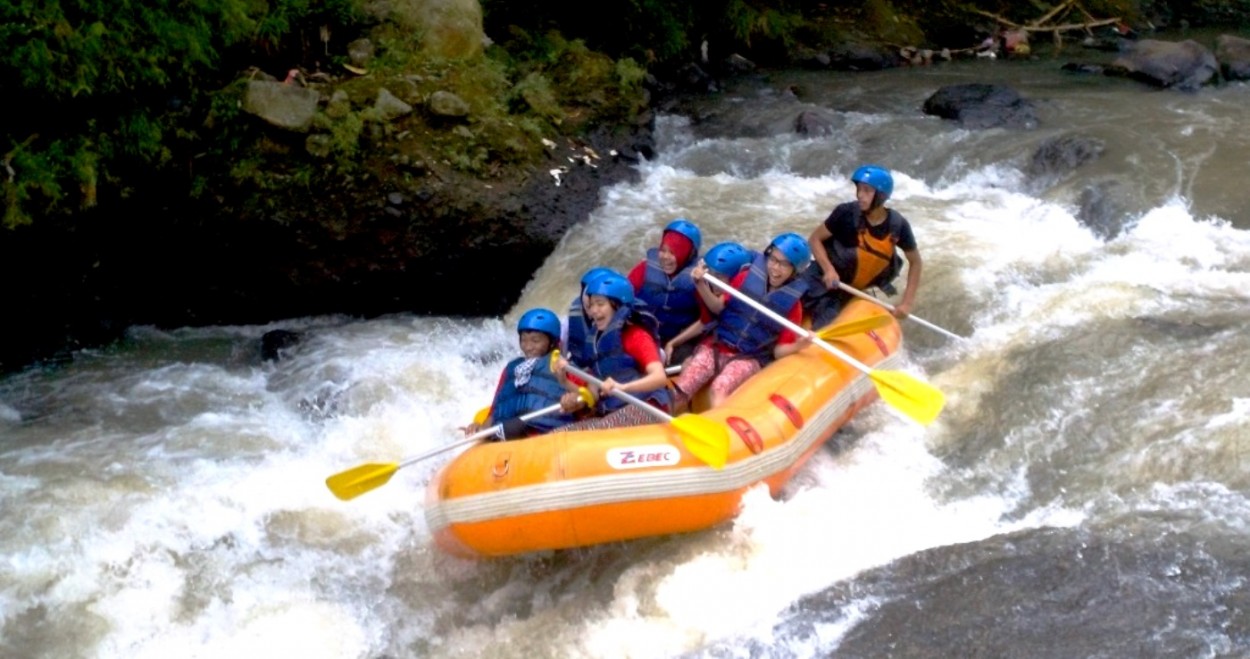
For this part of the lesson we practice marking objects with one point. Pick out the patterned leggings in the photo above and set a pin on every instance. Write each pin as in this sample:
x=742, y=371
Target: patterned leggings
x=726, y=372
x=623, y=418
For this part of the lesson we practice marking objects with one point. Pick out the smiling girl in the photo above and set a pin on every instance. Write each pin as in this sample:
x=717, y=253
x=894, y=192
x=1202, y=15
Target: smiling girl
x=746, y=339
x=625, y=355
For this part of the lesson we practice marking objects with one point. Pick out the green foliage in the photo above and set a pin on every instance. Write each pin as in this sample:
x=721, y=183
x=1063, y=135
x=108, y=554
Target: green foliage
x=345, y=134
x=648, y=30
x=534, y=93
x=105, y=87
x=747, y=20
x=885, y=21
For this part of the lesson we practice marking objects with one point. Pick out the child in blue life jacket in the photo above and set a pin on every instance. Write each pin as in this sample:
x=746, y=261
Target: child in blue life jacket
x=624, y=353
x=662, y=280
x=527, y=383
x=725, y=260
x=746, y=339
x=577, y=328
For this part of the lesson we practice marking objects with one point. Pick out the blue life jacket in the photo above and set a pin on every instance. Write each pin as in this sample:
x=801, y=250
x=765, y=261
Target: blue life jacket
x=528, y=389
x=580, y=343
x=746, y=330
x=611, y=360
x=673, y=300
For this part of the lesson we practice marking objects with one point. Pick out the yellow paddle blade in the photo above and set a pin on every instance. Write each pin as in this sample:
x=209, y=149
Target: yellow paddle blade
x=706, y=440
x=482, y=416
x=860, y=326
x=919, y=400
x=356, y=481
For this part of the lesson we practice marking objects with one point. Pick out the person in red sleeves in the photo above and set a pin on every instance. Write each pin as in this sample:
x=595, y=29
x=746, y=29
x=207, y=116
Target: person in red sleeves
x=625, y=355
x=662, y=280
x=746, y=339
x=725, y=260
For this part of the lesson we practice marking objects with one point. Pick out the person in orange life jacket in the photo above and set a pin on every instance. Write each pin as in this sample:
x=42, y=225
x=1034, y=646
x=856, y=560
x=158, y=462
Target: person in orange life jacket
x=625, y=355
x=577, y=331
x=745, y=339
x=527, y=382
x=856, y=244
x=725, y=260
x=662, y=280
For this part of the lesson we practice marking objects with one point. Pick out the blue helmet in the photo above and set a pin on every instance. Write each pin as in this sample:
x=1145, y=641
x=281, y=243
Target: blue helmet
x=794, y=248
x=540, y=320
x=727, y=258
x=614, y=287
x=687, y=228
x=877, y=177
x=595, y=273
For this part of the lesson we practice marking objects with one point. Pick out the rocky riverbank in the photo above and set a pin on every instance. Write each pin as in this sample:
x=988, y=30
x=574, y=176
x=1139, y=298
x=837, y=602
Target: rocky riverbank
x=363, y=190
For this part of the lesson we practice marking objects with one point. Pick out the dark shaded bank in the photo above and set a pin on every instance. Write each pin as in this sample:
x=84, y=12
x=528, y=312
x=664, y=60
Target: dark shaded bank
x=438, y=247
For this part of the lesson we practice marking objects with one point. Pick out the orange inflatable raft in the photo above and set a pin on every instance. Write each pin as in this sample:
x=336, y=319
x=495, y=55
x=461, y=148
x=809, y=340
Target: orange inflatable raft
x=573, y=489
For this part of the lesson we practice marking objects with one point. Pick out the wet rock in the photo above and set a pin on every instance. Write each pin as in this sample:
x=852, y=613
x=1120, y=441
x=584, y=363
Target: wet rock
x=1185, y=65
x=862, y=57
x=815, y=122
x=1233, y=54
x=692, y=78
x=1038, y=593
x=1083, y=68
x=1060, y=155
x=977, y=105
x=1102, y=206
x=276, y=344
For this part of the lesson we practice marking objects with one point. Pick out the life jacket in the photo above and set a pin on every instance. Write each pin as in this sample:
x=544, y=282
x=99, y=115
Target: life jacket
x=875, y=257
x=747, y=330
x=529, y=385
x=579, y=345
x=611, y=361
x=673, y=300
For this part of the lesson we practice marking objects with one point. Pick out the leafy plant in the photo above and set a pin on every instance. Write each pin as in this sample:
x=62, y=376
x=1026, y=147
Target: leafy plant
x=110, y=89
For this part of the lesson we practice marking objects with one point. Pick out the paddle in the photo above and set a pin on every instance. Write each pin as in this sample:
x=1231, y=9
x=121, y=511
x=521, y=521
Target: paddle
x=918, y=400
x=358, y=480
x=705, y=439
x=852, y=327
x=860, y=294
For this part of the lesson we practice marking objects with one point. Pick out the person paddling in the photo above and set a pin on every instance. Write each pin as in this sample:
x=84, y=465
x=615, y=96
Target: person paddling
x=725, y=260
x=745, y=339
x=624, y=354
x=527, y=383
x=856, y=245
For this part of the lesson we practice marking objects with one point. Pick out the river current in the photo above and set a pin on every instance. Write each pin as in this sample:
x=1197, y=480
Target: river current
x=1084, y=493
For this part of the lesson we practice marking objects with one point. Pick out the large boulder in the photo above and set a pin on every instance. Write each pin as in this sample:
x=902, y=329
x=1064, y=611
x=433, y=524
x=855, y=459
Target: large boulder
x=285, y=105
x=1060, y=155
x=1233, y=54
x=1184, y=65
x=447, y=28
x=977, y=105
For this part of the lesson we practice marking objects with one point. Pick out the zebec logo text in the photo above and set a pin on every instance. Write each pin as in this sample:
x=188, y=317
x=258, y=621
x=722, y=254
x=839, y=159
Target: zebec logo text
x=635, y=457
